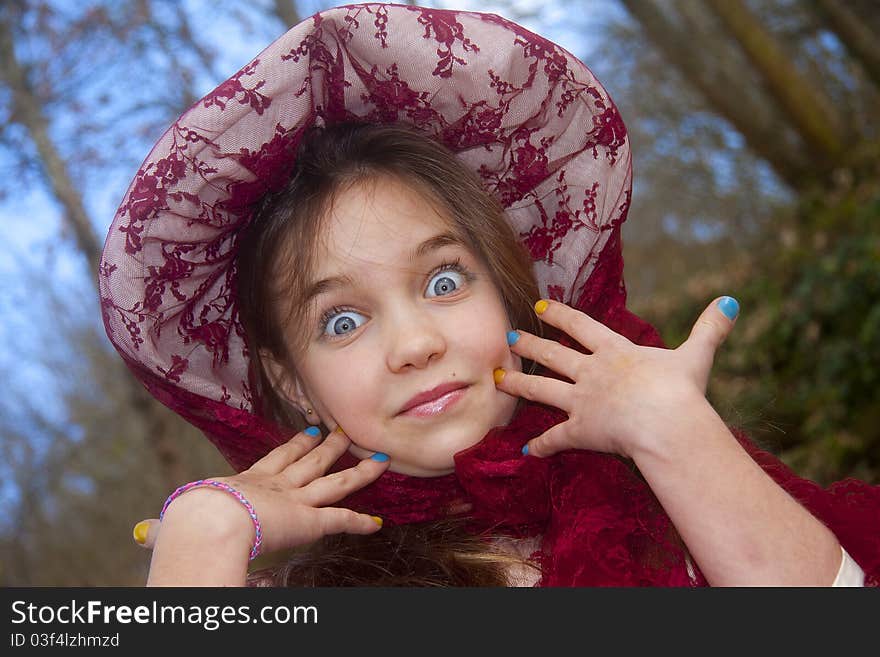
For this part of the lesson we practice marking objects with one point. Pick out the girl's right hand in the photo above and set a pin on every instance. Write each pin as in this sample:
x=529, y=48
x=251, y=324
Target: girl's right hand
x=290, y=494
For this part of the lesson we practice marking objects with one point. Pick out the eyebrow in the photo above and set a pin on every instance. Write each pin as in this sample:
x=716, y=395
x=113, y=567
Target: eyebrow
x=430, y=245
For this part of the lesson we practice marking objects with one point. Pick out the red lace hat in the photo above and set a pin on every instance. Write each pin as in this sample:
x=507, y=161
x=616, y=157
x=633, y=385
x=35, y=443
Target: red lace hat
x=524, y=113
x=545, y=137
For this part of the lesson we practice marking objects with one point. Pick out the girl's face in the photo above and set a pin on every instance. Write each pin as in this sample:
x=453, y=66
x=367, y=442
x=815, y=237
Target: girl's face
x=417, y=313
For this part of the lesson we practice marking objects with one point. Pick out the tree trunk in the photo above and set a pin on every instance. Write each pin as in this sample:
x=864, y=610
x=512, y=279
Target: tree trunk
x=861, y=43
x=286, y=12
x=806, y=106
x=27, y=110
x=753, y=119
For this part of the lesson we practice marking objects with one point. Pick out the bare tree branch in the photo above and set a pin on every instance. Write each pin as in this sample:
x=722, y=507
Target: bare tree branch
x=862, y=44
x=805, y=105
x=28, y=111
x=286, y=12
x=744, y=112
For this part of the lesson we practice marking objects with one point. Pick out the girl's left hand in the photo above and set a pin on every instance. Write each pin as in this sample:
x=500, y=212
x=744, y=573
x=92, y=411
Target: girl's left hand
x=622, y=393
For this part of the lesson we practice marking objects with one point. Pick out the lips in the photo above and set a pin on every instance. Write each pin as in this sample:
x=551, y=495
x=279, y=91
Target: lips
x=431, y=395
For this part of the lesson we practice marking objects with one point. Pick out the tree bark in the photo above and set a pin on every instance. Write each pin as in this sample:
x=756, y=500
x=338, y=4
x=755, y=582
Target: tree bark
x=286, y=12
x=805, y=105
x=757, y=123
x=861, y=43
x=27, y=110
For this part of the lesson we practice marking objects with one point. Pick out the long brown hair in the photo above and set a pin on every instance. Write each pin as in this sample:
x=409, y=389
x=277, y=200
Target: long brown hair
x=276, y=260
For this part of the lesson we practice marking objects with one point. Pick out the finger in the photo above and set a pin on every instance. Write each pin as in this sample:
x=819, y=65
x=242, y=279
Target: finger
x=549, y=353
x=555, y=439
x=318, y=460
x=336, y=520
x=333, y=487
x=592, y=334
x=145, y=532
x=290, y=452
x=543, y=389
x=712, y=327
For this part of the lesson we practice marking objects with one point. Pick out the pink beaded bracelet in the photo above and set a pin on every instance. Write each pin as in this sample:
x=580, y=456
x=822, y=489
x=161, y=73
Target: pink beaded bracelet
x=255, y=550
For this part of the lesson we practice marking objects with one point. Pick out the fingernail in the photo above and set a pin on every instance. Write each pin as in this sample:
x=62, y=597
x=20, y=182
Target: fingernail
x=313, y=431
x=140, y=532
x=340, y=430
x=541, y=306
x=498, y=375
x=379, y=456
x=729, y=306
x=377, y=520
x=512, y=337
x=525, y=449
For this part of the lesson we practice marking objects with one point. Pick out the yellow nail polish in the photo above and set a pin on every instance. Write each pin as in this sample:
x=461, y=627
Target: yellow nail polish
x=498, y=374
x=377, y=520
x=140, y=532
x=541, y=306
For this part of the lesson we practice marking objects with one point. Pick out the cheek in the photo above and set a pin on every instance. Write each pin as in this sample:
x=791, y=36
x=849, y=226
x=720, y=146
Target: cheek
x=485, y=341
x=489, y=348
x=338, y=386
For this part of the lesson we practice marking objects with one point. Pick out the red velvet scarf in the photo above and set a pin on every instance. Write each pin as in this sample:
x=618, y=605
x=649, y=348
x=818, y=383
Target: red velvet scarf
x=544, y=136
x=600, y=522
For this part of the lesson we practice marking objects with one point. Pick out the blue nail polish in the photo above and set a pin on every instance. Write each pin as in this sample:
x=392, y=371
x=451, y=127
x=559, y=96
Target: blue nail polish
x=729, y=306
x=313, y=431
x=512, y=337
x=525, y=449
x=379, y=456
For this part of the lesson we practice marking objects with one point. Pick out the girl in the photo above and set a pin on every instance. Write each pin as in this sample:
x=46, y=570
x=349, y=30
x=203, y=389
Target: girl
x=290, y=254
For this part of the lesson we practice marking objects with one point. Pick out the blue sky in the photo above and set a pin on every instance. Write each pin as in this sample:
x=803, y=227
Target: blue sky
x=31, y=221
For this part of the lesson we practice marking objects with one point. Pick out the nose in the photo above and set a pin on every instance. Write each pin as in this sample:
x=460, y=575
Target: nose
x=415, y=336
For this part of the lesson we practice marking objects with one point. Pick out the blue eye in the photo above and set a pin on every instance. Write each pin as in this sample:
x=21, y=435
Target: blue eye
x=337, y=322
x=446, y=282
x=341, y=326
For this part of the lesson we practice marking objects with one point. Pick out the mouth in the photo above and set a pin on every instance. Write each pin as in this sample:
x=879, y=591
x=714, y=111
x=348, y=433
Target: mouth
x=437, y=405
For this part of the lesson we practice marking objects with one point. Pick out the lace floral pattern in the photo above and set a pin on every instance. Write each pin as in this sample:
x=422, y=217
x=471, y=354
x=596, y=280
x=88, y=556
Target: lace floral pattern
x=166, y=284
x=545, y=138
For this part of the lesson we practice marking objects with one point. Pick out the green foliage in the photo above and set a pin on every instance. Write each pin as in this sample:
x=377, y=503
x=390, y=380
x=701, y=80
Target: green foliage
x=801, y=370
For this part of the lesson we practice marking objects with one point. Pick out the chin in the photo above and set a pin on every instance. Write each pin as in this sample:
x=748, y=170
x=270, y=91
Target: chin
x=423, y=467
x=438, y=460
x=437, y=464
x=420, y=471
